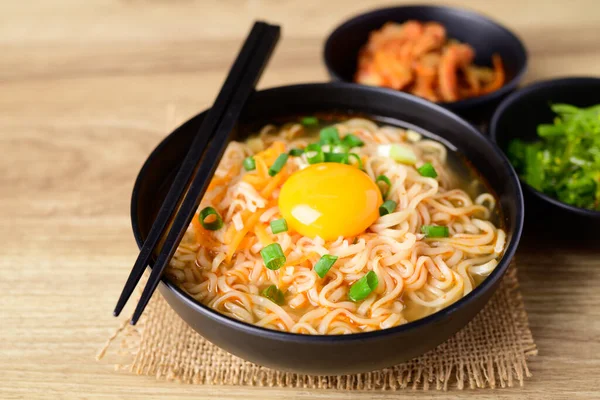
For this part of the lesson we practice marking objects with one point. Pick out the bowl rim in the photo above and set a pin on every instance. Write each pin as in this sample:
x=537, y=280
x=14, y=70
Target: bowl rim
x=445, y=312
x=522, y=93
x=469, y=13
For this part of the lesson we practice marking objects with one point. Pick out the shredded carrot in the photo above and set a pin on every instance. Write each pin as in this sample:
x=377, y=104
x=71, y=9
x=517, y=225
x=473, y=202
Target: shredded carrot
x=234, y=171
x=249, y=222
x=219, y=196
x=215, y=182
x=271, y=154
x=197, y=227
x=246, y=243
x=260, y=178
x=498, y=76
x=261, y=233
x=254, y=180
x=297, y=261
x=274, y=183
x=228, y=237
x=262, y=171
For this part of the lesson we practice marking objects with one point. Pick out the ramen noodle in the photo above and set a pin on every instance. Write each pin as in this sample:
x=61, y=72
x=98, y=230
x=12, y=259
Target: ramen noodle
x=338, y=228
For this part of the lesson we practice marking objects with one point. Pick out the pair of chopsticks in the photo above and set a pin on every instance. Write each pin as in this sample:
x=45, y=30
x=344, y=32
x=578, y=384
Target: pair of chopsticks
x=200, y=163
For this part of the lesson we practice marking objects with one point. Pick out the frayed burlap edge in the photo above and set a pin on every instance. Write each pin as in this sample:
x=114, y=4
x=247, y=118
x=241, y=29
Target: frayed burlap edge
x=491, y=351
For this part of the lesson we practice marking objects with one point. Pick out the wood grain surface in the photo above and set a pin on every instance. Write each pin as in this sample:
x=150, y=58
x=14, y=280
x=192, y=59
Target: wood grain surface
x=88, y=88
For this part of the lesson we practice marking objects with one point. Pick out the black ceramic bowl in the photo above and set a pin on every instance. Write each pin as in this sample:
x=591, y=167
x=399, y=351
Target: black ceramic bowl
x=518, y=117
x=484, y=35
x=334, y=355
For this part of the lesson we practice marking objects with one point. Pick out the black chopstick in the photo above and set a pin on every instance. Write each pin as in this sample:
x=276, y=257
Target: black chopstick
x=237, y=77
x=209, y=163
x=184, y=175
x=259, y=55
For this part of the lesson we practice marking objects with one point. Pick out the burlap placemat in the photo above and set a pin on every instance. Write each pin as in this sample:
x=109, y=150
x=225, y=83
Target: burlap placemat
x=490, y=351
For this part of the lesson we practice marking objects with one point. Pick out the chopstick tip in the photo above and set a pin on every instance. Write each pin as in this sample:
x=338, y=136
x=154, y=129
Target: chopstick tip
x=267, y=24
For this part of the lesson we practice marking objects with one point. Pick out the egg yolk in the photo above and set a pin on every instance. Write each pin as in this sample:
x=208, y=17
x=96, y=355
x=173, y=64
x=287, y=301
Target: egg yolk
x=329, y=200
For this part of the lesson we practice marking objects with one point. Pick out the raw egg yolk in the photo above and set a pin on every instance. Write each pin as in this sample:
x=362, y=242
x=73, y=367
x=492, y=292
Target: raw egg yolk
x=329, y=200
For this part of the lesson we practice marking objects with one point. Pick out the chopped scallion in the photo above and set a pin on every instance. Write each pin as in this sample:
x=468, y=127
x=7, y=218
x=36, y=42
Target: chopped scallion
x=324, y=264
x=363, y=287
x=336, y=157
x=397, y=152
x=329, y=135
x=274, y=294
x=435, y=231
x=386, y=180
x=279, y=225
x=249, y=163
x=351, y=140
x=273, y=256
x=213, y=225
x=358, y=159
x=403, y=154
x=338, y=148
x=309, y=121
x=278, y=164
x=296, y=152
x=314, y=153
x=387, y=207
x=427, y=170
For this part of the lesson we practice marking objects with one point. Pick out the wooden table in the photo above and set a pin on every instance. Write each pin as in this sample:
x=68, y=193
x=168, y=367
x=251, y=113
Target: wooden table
x=88, y=88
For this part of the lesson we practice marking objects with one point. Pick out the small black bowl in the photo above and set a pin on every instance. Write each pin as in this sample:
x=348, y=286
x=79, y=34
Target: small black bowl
x=518, y=116
x=343, y=354
x=484, y=35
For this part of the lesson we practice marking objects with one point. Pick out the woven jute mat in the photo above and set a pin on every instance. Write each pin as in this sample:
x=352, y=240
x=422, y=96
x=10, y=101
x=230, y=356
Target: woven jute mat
x=490, y=351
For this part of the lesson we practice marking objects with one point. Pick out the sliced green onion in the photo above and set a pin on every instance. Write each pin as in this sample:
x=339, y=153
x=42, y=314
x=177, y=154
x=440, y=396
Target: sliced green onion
x=352, y=141
x=387, y=207
x=397, y=152
x=336, y=157
x=358, y=159
x=278, y=164
x=279, y=225
x=403, y=154
x=273, y=256
x=386, y=180
x=274, y=294
x=314, y=154
x=435, y=231
x=363, y=287
x=213, y=225
x=249, y=164
x=329, y=135
x=309, y=121
x=338, y=148
x=324, y=264
x=427, y=171
x=296, y=152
